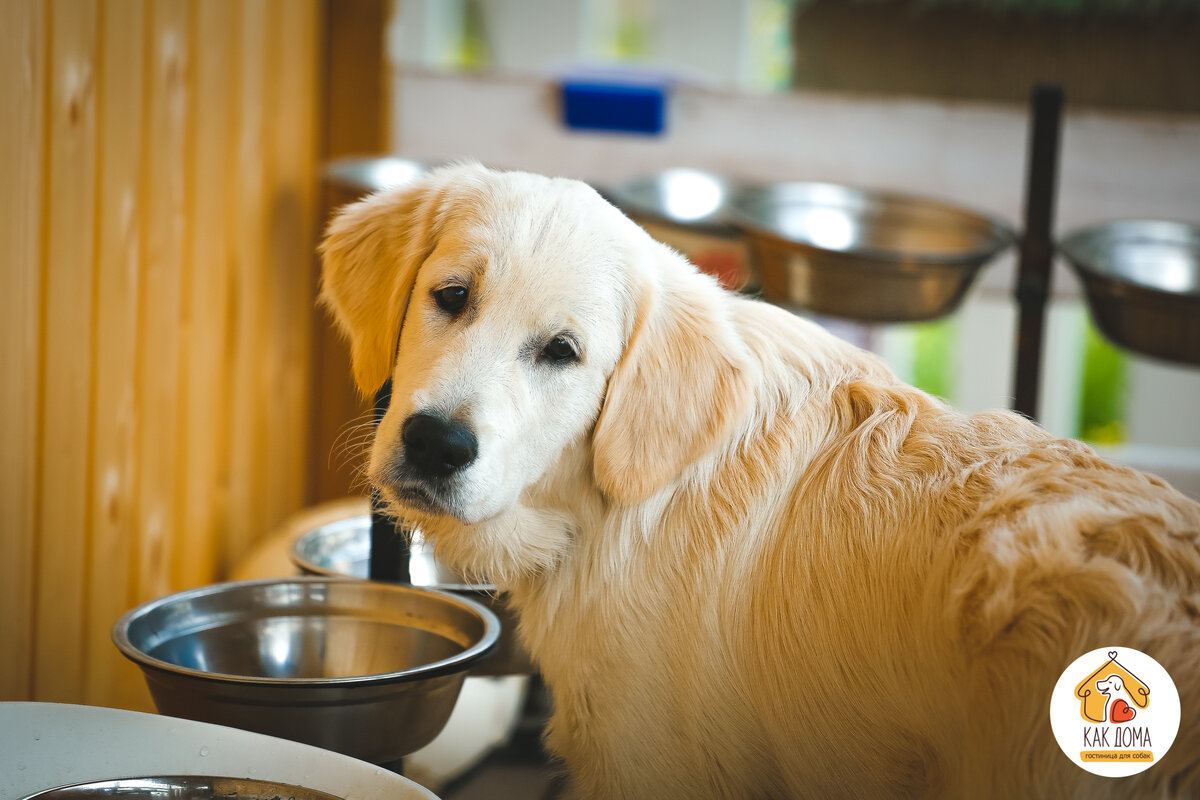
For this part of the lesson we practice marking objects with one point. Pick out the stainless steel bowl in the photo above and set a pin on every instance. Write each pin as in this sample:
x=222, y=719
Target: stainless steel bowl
x=367, y=669
x=182, y=787
x=357, y=176
x=343, y=549
x=689, y=210
x=685, y=197
x=864, y=255
x=1142, y=281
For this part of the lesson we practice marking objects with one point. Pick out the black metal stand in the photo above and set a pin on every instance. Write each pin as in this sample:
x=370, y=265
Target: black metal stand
x=389, y=544
x=1037, y=244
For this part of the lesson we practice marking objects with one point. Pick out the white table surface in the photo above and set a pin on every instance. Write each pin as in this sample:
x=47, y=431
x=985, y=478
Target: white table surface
x=45, y=745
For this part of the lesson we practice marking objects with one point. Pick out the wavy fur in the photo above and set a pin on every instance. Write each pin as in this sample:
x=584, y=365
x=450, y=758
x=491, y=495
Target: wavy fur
x=748, y=560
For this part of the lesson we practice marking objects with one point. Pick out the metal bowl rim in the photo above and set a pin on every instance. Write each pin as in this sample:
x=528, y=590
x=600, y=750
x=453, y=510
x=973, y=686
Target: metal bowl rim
x=346, y=172
x=459, y=662
x=1004, y=235
x=1069, y=242
x=718, y=224
x=311, y=566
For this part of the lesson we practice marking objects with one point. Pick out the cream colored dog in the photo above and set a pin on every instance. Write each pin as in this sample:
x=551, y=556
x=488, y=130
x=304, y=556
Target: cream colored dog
x=748, y=561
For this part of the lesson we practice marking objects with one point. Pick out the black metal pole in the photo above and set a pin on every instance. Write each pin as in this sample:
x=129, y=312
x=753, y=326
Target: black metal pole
x=389, y=544
x=1037, y=243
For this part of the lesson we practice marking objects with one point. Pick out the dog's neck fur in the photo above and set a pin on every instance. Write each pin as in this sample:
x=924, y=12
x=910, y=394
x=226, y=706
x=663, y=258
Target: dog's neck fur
x=598, y=542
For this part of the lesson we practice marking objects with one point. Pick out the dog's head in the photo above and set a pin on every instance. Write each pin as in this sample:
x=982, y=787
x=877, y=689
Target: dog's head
x=534, y=336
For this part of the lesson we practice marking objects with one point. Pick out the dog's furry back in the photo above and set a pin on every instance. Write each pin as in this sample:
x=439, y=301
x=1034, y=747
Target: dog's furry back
x=868, y=583
x=748, y=560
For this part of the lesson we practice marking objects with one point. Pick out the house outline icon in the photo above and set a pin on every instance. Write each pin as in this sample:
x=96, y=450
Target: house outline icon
x=1093, y=703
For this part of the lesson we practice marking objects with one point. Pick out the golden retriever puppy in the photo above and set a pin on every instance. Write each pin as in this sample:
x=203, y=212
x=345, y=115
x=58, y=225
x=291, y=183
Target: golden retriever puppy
x=748, y=561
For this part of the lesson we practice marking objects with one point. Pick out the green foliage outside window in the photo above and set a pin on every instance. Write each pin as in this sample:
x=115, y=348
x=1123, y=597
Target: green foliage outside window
x=1102, y=395
x=934, y=355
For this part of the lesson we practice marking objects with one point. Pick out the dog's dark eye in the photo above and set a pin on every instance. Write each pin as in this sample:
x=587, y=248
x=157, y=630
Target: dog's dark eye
x=451, y=298
x=559, y=350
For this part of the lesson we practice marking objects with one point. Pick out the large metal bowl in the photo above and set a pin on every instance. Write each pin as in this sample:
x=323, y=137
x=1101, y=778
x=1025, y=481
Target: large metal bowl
x=1142, y=281
x=359, y=175
x=689, y=210
x=864, y=255
x=343, y=549
x=367, y=669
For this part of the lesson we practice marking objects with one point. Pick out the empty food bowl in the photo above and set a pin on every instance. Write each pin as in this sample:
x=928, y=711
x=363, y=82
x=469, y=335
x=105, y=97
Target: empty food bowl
x=343, y=549
x=688, y=210
x=368, y=669
x=864, y=255
x=1142, y=281
x=356, y=176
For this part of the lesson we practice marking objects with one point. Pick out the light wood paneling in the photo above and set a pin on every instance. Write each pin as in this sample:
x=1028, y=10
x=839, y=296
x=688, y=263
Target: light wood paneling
x=159, y=214
x=23, y=41
x=208, y=385
x=66, y=365
x=164, y=268
x=120, y=211
x=250, y=307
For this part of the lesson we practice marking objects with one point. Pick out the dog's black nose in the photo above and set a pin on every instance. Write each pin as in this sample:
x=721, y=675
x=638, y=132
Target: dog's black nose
x=437, y=447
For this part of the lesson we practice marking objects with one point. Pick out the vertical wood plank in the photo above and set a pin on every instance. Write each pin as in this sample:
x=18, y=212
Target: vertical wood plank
x=62, y=539
x=247, y=456
x=213, y=163
x=162, y=322
x=290, y=279
x=120, y=209
x=23, y=34
x=271, y=402
x=354, y=120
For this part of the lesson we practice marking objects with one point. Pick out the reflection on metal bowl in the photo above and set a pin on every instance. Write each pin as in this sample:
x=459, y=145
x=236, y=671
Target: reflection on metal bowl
x=687, y=209
x=354, y=177
x=343, y=549
x=864, y=255
x=366, y=669
x=1142, y=280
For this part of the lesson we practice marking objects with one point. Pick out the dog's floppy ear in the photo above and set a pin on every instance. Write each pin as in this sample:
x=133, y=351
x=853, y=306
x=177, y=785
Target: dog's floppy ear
x=372, y=252
x=681, y=386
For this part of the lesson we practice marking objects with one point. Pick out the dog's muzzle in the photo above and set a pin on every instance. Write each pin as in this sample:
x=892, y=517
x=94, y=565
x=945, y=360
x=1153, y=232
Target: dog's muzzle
x=435, y=447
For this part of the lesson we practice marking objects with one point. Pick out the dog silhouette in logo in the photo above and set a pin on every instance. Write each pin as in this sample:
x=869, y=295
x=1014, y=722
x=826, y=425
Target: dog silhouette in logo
x=1116, y=708
x=1110, y=693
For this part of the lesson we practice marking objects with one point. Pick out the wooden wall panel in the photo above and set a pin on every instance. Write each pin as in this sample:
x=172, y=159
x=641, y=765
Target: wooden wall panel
x=163, y=323
x=158, y=209
x=355, y=119
x=115, y=470
x=66, y=369
x=23, y=40
x=250, y=307
x=215, y=47
x=294, y=265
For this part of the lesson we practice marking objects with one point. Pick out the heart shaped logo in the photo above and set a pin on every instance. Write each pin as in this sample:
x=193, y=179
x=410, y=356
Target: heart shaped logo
x=1121, y=712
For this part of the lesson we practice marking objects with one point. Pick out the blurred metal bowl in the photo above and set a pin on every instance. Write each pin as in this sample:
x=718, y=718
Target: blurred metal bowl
x=688, y=210
x=343, y=549
x=864, y=255
x=367, y=669
x=191, y=787
x=357, y=176
x=1142, y=281
x=685, y=197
